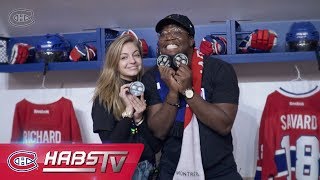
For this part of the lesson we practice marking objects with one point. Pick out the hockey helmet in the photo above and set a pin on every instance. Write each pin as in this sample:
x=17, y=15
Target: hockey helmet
x=302, y=36
x=53, y=47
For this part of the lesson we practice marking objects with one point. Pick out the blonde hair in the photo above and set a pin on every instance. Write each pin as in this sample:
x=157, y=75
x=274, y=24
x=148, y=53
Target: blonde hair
x=109, y=82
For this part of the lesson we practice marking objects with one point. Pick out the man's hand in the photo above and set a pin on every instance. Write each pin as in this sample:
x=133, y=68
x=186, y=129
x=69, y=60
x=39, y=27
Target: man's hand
x=183, y=77
x=167, y=75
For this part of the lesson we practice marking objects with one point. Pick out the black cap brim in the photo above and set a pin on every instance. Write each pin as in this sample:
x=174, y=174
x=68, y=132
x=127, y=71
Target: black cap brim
x=166, y=21
x=172, y=20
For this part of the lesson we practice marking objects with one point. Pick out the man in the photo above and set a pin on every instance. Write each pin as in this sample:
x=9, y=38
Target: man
x=206, y=87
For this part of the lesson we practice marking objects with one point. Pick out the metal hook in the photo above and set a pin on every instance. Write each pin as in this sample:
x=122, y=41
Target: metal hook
x=43, y=82
x=45, y=69
x=298, y=74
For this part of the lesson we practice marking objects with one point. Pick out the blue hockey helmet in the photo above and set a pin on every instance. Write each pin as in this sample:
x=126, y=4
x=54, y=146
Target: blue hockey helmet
x=53, y=47
x=302, y=36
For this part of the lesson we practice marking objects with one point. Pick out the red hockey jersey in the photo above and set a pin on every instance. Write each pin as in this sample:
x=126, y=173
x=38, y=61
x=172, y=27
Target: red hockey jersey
x=45, y=123
x=289, y=137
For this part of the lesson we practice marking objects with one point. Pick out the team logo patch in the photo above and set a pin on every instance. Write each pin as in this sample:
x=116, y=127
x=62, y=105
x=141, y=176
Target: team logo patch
x=21, y=17
x=22, y=161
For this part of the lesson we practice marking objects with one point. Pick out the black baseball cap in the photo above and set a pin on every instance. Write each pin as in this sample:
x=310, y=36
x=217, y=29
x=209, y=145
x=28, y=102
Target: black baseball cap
x=177, y=19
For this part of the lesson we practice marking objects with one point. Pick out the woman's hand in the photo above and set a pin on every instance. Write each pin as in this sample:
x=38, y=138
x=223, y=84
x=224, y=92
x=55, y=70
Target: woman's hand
x=125, y=97
x=139, y=105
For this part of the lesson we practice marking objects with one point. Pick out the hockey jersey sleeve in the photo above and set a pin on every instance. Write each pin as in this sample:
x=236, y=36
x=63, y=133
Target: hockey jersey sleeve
x=75, y=129
x=16, y=135
x=266, y=166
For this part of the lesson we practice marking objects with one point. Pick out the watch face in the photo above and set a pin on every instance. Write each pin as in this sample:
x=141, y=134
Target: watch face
x=189, y=93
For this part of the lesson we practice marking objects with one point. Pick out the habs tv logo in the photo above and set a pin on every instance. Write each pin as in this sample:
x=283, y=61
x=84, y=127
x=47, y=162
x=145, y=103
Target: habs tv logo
x=68, y=161
x=84, y=162
x=72, y=161
x=22, y=161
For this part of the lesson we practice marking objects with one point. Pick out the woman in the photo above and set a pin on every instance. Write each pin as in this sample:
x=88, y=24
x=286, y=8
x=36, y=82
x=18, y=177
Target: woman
x=118, y=116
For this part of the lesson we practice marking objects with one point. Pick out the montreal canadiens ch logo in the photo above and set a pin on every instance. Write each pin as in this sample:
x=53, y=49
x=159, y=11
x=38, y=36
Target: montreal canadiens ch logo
x=22, y=161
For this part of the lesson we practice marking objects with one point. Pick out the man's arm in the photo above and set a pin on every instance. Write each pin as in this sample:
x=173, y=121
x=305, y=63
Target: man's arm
x=219, y=117
x=161, y=116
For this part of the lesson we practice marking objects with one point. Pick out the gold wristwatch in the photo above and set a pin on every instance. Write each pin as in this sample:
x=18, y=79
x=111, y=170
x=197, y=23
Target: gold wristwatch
x=188, y=93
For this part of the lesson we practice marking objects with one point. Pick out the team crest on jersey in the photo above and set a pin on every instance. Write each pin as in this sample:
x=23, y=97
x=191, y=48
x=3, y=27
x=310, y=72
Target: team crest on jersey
x=22, y=161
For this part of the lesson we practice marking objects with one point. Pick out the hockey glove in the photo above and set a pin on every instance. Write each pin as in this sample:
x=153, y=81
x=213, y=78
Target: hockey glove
x=263, y=39
x=213, y=45
x=259, y=41
x=19, y=53
x=82, y=52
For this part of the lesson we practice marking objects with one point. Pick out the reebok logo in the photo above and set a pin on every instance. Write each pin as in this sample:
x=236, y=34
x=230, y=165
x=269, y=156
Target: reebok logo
x=40, y=111
x=297, y=103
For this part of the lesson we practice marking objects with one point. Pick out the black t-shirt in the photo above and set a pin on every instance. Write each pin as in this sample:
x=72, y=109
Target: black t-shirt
x=221, y=86
x=112, y=130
